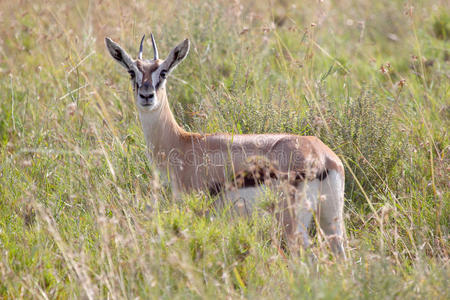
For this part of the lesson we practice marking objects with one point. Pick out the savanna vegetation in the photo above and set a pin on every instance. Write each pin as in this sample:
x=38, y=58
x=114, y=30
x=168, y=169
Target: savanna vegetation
x=83, y=214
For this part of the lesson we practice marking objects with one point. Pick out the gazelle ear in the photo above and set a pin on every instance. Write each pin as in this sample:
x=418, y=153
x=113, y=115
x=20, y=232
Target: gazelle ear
x=175, y=57
x=120, y=55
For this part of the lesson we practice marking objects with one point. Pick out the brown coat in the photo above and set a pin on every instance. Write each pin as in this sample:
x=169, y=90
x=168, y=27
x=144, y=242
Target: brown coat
x=209, y=161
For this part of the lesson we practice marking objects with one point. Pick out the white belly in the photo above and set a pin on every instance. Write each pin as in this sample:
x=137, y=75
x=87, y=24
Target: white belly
x=243, y=201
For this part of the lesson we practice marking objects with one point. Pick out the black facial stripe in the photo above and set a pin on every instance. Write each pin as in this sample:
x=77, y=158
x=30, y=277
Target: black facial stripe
x=158, y=85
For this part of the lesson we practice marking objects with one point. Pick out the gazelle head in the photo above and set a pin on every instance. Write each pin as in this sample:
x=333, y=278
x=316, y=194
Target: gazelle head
x=148, y=76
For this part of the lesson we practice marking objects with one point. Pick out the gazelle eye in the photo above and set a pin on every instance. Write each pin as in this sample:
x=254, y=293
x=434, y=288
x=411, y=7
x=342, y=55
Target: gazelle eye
x=163, y=74
x=132, y=74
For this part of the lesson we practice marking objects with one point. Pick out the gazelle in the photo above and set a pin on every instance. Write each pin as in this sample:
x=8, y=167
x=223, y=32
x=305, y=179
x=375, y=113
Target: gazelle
x=206, y=162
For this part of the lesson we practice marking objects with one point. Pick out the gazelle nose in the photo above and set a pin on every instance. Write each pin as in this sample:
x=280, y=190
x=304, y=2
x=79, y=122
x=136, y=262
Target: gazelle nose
x=148, y=96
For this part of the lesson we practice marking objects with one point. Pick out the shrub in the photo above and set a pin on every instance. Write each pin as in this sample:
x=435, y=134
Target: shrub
x=359, y=131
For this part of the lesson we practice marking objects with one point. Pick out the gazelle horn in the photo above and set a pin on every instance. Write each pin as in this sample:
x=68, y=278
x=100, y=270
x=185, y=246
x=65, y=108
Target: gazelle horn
x=141, y=48
x=155, y=49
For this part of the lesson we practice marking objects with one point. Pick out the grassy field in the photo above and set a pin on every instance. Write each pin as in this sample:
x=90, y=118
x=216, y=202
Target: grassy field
x=82, y=214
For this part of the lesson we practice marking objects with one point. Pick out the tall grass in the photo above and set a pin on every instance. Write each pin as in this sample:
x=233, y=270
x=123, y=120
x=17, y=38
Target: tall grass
x=84, y=214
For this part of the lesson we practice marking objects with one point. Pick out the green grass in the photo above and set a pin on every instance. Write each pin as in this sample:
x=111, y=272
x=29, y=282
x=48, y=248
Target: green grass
x=83, y=213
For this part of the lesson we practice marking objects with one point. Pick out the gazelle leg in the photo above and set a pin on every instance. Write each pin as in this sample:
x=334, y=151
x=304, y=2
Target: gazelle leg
x=297, y=213
x=330, y=212
x=304, y=220
x=295, y=222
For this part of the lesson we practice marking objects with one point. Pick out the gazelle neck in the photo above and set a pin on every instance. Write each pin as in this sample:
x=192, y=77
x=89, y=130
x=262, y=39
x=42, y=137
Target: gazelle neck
x=161, y=130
